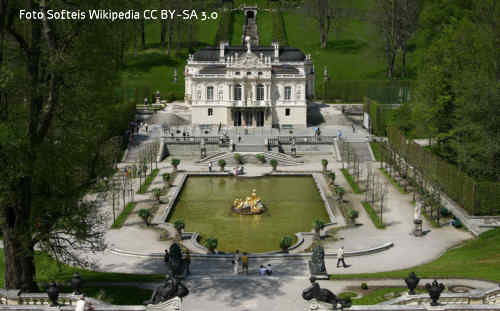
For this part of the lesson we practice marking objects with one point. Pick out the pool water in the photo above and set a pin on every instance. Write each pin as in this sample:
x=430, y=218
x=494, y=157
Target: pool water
x=292, y=203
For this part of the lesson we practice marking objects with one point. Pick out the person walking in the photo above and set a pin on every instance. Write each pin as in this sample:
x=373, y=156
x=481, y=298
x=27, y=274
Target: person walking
x=353, y=129
x=340, y=257
x=146, y=127
x=188, y=261
x=239, y=138
x=236, y=262
x=166, y=257
x=210, y=166
x=244, y=263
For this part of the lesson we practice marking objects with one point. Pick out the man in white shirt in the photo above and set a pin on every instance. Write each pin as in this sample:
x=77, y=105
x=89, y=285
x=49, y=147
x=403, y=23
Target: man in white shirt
x=80, y=304
x=340, y=257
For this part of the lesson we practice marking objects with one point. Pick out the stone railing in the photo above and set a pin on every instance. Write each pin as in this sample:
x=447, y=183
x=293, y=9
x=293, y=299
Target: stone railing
x=490, y=296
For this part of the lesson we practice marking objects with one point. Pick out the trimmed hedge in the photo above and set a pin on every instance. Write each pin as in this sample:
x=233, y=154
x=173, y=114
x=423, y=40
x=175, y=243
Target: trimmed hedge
x=354, y=186
x=145, y=186
x=477, y=198
x=120, y=220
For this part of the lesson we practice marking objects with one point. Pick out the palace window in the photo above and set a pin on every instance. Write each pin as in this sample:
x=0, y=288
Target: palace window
x=287, y=112
x=260, y=92
x=210, y=93
x=237, y=92
x=260, y=73
x=288, y=93
x=237, y=73
x=210, y=111
x=249, y=73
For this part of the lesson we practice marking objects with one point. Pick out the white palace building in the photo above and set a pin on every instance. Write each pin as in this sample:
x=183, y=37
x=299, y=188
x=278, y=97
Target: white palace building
x=249, y=86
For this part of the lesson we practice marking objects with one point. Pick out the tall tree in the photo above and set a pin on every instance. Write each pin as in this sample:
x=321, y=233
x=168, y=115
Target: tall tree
x=327, y=13
x=61, y=80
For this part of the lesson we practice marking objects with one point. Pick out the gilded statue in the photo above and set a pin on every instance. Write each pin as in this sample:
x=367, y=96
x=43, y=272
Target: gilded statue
x=250, y=206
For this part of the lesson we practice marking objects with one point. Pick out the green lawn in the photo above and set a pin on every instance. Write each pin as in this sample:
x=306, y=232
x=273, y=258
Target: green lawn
x=475, y=259
x=265, y=22
x=374, y=216
x=120, y=220
x=354, y=186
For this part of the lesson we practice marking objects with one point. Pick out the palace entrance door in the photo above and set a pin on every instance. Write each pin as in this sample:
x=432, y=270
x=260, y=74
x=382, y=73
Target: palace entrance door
x=260, y=118
x=237, y=118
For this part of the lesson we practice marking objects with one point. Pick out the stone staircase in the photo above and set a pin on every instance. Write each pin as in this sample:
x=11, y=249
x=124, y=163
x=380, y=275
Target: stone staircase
x=249, y=157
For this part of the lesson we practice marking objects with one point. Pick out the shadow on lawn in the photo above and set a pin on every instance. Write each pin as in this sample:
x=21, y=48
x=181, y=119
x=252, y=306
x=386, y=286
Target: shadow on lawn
x=345, y=46
x=144, y=62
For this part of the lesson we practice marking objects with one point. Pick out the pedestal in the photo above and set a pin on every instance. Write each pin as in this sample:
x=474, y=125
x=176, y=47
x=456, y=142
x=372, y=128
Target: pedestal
x=418, y=227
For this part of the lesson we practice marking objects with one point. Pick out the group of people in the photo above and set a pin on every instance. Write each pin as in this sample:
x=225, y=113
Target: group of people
x=240, y=265
x=239, y=170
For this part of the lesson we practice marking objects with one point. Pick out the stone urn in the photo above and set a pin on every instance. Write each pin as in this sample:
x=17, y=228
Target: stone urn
x=76, y=283
x=53, y=293
x=412, y=283
x=435, y=289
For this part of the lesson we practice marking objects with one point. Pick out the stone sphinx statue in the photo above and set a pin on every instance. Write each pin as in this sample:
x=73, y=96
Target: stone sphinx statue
x=169, y=289
x=317, y=262
x=176, y=264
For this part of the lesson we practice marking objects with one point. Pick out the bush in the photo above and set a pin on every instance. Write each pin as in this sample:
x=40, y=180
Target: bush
x=285, y=243
x=353, y=215
x=156, y=194
x=340, y=191
x=364, y=286
x=145, y=215
x=318, y=225
x=332, y=177
x=274, y=164
x=179, y=225
x=222, y=164
x=324, y=163
x=261, y=158
x=444, y=212
x=456, y=223
x=175, y=163
x=238, y=158
x=211, y=244
x=166, y=178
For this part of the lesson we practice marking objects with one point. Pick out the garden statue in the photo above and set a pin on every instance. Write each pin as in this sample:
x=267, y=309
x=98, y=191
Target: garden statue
x=412, y=282
x=251, y=206
x=53, y=293
x=417, y=219
x=76, y=283
x=323, y=295
x=317, y=262
x=176, y=263
x=171, y=288
x=435, y=289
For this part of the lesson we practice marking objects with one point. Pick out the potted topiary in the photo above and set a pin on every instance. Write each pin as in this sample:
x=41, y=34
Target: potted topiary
x=332, y=177
x=156, y=192
x=274, y=164
x=324, y=163
x=179, y=226
x=211, y=244
x=238, y=158
x=318, y=225
x=261, y=158
x=175, y=164
x=285, y=243
x=353, y=214
x=166, y=179
x=222, y=164
x=145, y=215
x=340, y=192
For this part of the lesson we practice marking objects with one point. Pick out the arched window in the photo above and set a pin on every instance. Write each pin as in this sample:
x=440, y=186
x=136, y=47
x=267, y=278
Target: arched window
x=210, y=93
x=288, y=92
x=237, y=92
x=260, y=92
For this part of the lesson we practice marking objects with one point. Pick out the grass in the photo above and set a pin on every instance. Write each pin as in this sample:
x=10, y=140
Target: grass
x=393, y=182
x=478, y=258
x=354, y=186
x=120, y=220
x=376, y=146
x=149, y=179
x=373, y=215
x=377, y=296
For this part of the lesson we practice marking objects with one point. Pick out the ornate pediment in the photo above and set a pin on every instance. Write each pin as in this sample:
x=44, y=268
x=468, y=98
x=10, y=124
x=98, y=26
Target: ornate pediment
x=248, y=59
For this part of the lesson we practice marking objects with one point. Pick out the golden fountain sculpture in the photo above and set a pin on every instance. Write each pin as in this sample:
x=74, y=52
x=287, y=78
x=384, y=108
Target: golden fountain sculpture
x=251, y=206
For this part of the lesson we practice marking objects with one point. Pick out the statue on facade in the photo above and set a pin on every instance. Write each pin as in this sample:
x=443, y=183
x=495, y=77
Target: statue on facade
x=169, y=289
x=176, y=264
x=418, y=211
x=317, y=262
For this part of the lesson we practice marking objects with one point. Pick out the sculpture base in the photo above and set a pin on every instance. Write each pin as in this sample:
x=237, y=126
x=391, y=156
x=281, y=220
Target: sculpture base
x=418, y=228
x=247, y=211
x=317, y=271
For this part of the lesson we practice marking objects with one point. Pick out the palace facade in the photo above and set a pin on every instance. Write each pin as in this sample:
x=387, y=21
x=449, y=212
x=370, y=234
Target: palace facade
x=249, y=86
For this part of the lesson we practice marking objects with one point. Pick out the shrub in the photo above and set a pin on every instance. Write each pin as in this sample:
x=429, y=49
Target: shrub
x=274, y=164
x=238, y=158
x=179, y=225
x=156, y=194
x=364, y=286
x=332, y=177
x=353, y=214
x=211, y=244
x=166, y=179
x=175, y=163
x=145, y=215
x=340, y=191
x=444, y=212
x=285, y=243
x=324, y=163
x=222, y=164
x=261, y=158
x=318, y=225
